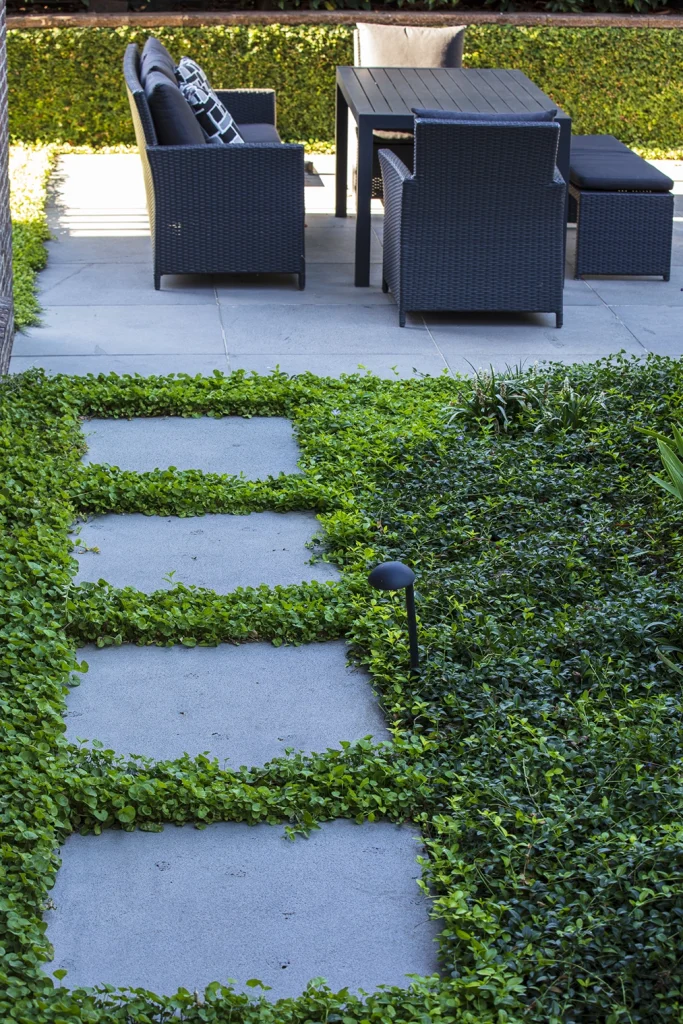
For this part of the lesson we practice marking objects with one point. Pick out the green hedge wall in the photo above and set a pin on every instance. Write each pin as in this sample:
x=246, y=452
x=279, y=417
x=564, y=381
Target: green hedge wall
x=66, y=85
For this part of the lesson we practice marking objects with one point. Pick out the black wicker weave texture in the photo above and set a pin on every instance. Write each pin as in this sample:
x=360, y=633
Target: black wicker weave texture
x=623, y=233
x=221, y=209
x=480, y=224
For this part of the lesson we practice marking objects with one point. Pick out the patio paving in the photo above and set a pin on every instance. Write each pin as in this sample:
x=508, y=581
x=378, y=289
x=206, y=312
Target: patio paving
x=187, y=907
x=245, y=703
x=102, y=313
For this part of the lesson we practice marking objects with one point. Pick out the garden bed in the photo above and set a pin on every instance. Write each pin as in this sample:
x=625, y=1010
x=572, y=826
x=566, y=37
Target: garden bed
x=29, y=169
x=538, y=749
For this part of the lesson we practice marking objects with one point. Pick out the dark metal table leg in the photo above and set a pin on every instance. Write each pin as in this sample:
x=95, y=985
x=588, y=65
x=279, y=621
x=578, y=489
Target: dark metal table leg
x=363, y=200
x=341, y=142
x=563, y=159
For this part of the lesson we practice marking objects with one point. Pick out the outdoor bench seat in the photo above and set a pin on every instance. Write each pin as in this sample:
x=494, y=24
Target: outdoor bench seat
x=623, y=209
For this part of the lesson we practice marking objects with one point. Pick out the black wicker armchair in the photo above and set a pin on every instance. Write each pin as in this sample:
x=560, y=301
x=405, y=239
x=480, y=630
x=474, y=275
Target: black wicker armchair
x=221, y=209
x=480, y=224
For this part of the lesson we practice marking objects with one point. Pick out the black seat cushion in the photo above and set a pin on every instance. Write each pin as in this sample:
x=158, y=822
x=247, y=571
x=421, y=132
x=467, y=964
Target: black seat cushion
x=155, y=57
x=172, y=115
x=604, y=164
x=480, y=115
x=258, y=132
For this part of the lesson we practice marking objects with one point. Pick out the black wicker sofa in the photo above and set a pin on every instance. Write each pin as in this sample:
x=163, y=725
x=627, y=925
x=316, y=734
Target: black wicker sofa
x=623, y=207
x=215, y=209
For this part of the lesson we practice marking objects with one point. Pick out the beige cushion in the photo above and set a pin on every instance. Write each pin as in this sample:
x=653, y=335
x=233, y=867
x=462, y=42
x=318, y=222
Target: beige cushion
x=408, y=46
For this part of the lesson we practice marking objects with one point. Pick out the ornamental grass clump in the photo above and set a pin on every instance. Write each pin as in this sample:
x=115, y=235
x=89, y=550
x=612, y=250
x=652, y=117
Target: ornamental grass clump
x=514, y=398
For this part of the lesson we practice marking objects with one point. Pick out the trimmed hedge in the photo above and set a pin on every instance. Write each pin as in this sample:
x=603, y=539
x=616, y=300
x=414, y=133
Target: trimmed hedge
x=66, y=85
x=539, y=747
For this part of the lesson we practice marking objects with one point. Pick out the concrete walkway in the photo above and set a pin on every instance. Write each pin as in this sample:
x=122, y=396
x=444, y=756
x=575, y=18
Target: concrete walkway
x=102, y=313
x=185, y=907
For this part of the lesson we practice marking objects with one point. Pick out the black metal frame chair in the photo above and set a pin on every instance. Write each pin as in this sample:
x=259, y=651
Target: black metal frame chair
x=480, y=225
x=227, y=209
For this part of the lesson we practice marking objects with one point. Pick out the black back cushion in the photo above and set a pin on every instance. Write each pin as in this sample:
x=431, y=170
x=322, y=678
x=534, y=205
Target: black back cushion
x=155, y=57
x=174, y=122
x=480, y=115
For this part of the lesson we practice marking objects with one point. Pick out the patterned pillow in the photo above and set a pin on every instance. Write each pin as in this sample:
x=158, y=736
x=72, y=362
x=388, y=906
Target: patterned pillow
x=216, y=121
x=189, y=72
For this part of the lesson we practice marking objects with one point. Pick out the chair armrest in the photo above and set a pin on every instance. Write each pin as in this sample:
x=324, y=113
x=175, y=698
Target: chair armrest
x=394, y=171
x=191, y=175
x=249, y=106
x=394, y=175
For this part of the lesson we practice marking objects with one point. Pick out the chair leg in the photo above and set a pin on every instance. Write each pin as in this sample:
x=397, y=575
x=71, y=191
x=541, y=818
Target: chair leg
x=559, y=319
x=401, y=318
x=157, y=280
x=667, y=277
x=385, y=286
x=302, y=276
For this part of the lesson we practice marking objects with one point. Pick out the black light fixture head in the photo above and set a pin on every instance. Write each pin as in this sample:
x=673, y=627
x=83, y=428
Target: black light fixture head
x=391, y=576
x=397, y=576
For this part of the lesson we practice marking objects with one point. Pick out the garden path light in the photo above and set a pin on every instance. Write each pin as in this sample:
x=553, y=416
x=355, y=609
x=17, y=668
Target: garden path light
x=397, y=576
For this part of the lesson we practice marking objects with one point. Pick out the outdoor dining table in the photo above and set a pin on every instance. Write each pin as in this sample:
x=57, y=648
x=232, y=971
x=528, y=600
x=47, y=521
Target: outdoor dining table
x=382, y=98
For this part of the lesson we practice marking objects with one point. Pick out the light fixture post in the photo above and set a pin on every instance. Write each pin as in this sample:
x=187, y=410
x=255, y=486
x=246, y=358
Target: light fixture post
x=397, y=576
x=412, y=628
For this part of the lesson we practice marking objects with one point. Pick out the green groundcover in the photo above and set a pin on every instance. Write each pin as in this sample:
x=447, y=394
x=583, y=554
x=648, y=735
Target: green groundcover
x=66, y=84
x=539, y=747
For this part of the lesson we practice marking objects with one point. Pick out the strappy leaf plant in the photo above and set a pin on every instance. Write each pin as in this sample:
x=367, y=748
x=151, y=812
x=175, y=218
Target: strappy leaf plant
x=670, y=453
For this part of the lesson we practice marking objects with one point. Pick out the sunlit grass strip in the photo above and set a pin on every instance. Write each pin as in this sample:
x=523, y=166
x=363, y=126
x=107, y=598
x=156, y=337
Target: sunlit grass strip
x=29, y=169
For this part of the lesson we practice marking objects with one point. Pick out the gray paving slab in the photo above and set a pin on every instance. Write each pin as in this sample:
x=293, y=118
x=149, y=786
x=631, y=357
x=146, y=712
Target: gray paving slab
x=124, y=330
x=97, y=181
x=123, y=283
x=245, y=704
x=677, y=242
x=161, y=363
x=258, y=447
x=326, y=283
x=640, y=291
x=589, y=332
x=327, y=235
x=185, y=907
x=658, y=328
x=579, y=293
x=389, y=366
x=312, y=329
x=69, y=247
x=221, y=552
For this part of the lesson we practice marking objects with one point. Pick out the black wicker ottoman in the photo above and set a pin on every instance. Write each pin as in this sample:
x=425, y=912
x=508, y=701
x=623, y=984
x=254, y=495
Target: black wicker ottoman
x=623, y=209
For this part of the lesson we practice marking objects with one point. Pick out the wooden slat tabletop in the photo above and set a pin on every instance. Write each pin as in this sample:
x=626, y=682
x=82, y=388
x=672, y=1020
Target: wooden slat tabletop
x=393, y=91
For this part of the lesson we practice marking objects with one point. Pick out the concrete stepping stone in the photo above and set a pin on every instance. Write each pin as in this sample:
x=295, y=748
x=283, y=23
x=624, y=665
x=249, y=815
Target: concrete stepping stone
x=221, y=552
x=185, y=907
x=243, y=703
x=259, y=447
